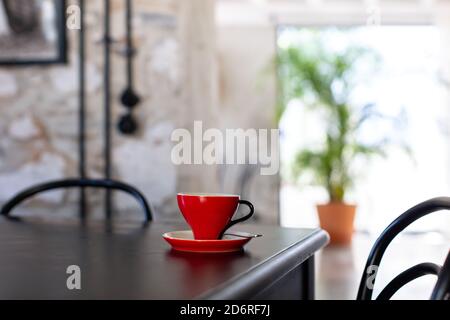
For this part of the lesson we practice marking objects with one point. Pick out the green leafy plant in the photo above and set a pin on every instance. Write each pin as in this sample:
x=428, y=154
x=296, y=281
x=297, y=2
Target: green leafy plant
x=324, y=80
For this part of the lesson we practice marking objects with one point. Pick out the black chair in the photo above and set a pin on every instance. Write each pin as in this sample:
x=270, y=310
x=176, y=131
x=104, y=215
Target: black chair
x=441, y=290
x=69, y=183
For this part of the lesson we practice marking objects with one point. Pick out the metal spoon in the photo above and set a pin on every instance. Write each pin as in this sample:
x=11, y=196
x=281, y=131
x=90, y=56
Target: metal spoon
x=243, y=234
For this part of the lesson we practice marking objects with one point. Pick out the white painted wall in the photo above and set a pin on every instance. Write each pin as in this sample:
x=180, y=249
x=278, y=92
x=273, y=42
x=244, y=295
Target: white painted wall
x=246, y=99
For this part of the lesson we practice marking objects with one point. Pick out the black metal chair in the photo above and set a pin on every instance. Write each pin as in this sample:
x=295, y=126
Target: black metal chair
x=441, y=290
x=69, y=183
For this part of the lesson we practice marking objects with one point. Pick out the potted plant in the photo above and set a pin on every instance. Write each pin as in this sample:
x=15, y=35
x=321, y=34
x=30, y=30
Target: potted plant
x=324, y=81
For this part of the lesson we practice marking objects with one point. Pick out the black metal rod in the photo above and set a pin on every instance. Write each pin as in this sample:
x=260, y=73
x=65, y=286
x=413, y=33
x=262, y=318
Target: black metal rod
x=107, y=104
x=75, y=182
x=419, y=270
x=82, y=111
x=129, y=49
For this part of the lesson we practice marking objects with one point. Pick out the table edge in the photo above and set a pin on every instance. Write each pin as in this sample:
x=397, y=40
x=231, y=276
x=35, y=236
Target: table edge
x=267, y=272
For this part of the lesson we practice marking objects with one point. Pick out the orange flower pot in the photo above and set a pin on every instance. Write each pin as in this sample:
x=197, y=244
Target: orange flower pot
x=337, y=219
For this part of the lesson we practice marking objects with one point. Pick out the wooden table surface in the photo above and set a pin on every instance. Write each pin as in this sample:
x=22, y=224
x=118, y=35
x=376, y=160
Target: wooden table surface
x=128, y=261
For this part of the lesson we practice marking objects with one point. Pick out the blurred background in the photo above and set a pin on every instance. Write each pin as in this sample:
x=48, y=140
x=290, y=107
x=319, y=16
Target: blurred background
x=245, y=64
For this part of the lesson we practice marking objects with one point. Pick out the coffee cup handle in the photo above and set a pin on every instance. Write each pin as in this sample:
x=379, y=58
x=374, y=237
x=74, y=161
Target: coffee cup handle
x=246, y=217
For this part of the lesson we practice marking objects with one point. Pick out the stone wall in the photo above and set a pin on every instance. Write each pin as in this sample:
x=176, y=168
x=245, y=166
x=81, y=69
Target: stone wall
x=177, y=79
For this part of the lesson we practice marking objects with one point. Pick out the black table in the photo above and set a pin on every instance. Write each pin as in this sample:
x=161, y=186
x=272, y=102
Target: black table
x=128, y=261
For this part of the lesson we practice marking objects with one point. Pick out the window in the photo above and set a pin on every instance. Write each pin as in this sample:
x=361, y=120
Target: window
x=409, y=84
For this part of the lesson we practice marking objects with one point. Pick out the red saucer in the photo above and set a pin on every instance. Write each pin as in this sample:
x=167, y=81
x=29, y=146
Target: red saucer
x=184, y=241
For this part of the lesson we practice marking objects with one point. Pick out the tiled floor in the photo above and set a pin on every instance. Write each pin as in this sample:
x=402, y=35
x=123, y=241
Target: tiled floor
x=339, y=269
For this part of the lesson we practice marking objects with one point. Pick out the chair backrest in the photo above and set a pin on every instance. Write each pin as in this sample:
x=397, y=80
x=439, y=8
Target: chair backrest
x=441, y=289
x=69, y=183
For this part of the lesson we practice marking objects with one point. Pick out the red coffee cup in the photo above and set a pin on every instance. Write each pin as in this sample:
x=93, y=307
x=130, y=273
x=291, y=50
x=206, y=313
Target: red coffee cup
x=209, y=215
